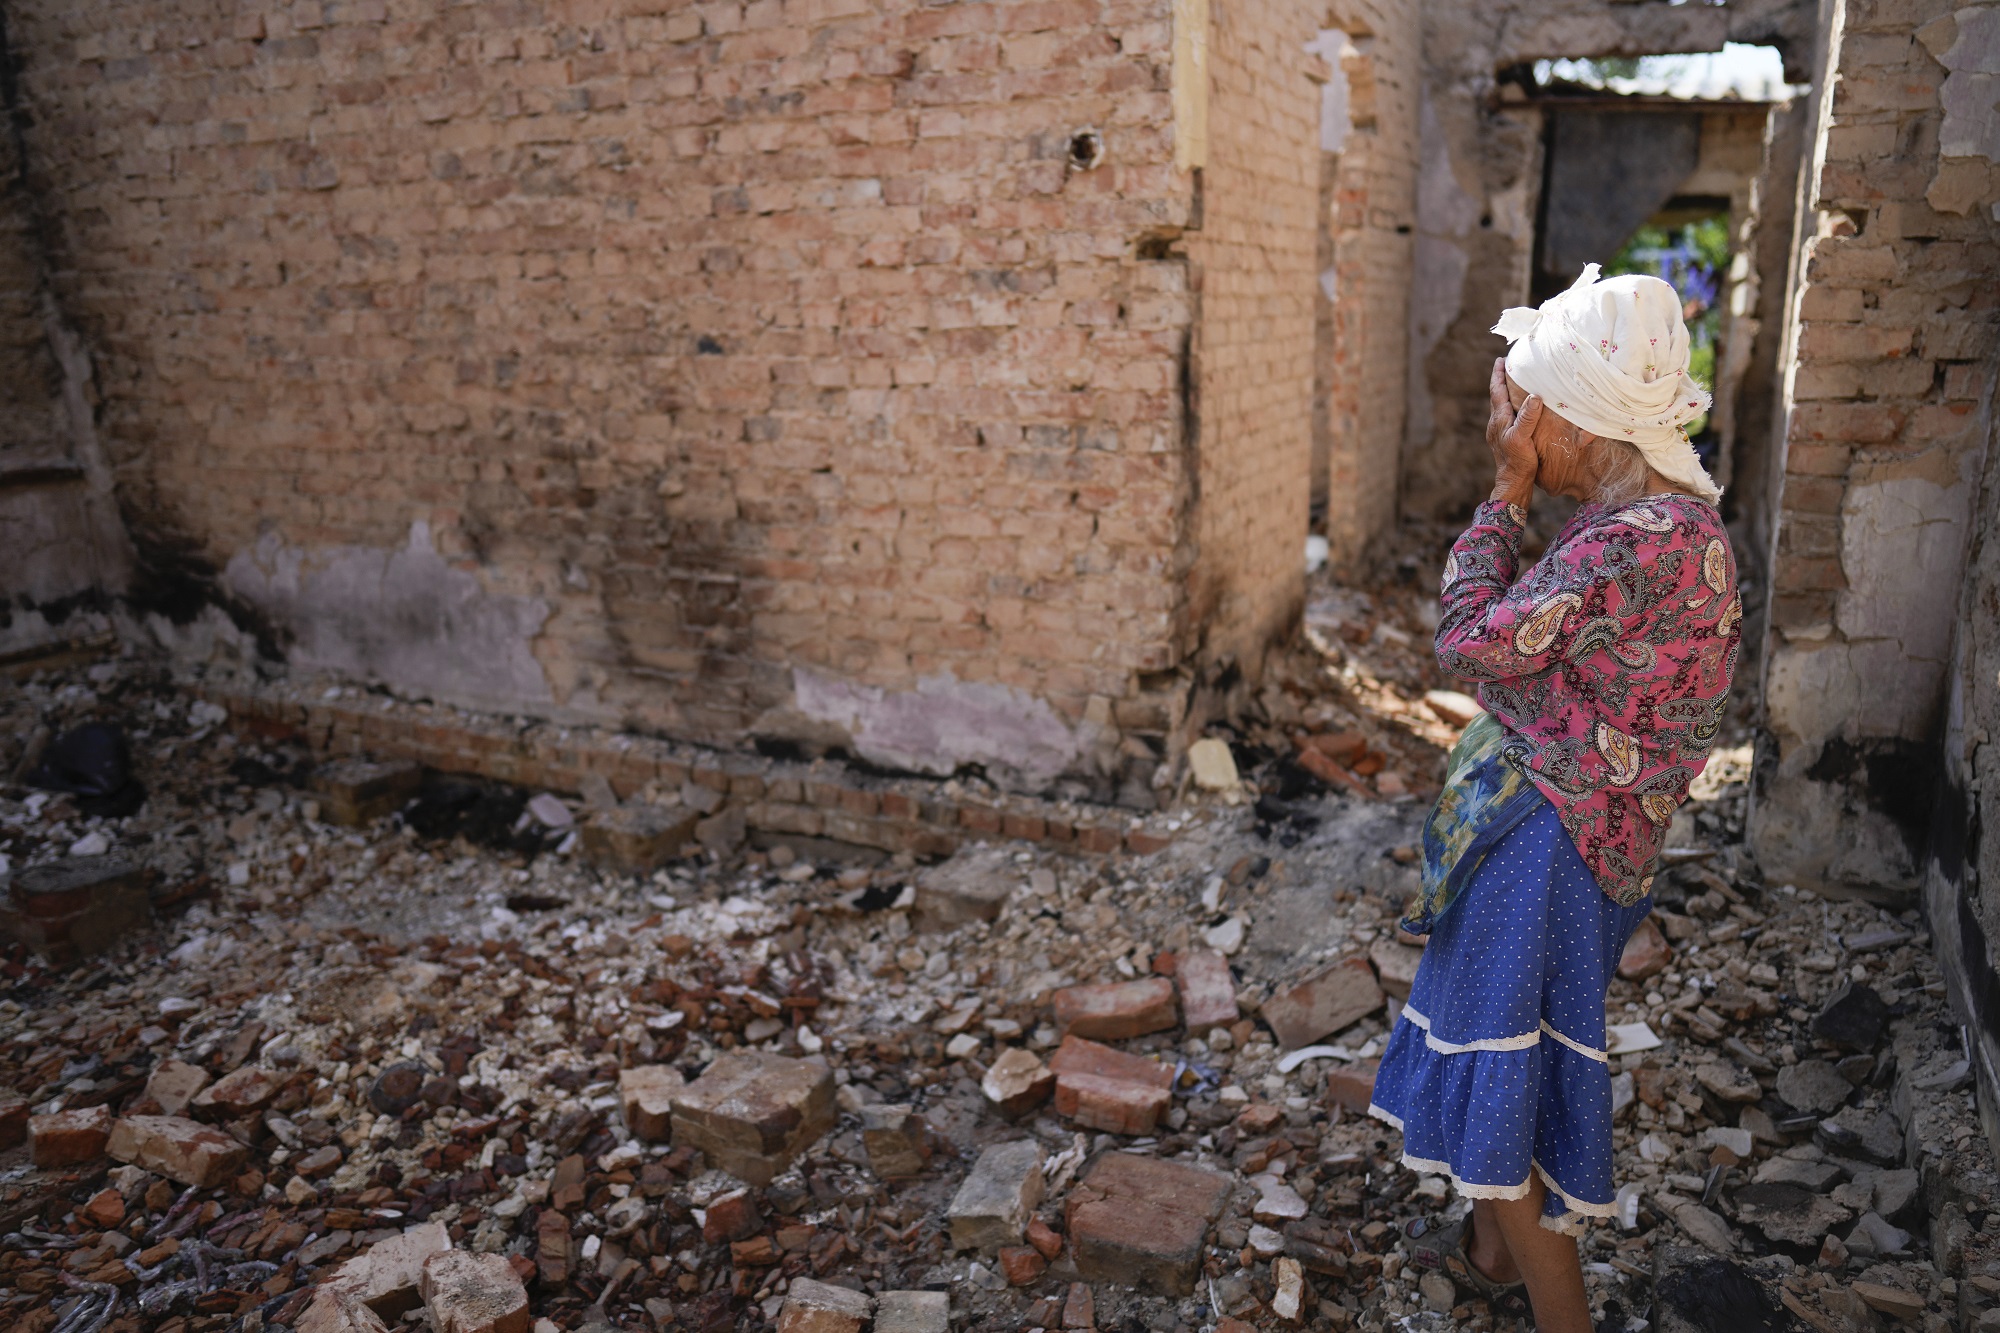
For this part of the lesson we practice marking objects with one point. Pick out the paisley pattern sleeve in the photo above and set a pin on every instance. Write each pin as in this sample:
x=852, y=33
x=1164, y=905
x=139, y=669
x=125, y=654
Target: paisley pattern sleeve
x=1491, y=627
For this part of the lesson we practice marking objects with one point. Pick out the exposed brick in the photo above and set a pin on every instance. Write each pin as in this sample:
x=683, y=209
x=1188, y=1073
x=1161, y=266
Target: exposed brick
x=1077, y=1055
x=645, y=1095
x=1324, y=1002
x=731, y=1216
x=752, y=1113
x=1116, y=1010
x=179, y=1149
x=241, y=1093
x=1207, y=990
x=896, y=1139
x=75, y=906
x=1395, y=965
x=1352, y=1086
x=387, y=1276
x=357, y=792
x=1142, y=1221
x=1110, y=1104
x=69, y=1138
x=636, y=839
x=174, y=1083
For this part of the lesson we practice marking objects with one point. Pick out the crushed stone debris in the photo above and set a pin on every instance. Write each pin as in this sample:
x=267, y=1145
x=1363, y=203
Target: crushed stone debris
x=440, y=1070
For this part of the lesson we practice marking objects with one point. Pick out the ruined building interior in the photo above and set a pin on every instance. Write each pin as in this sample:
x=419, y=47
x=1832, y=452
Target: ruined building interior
x=619, y=536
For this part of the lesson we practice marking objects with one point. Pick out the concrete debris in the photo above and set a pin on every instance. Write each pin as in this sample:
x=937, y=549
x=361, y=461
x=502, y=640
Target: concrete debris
x=474, y=1293
x=688, y=1095
x=992, y=1207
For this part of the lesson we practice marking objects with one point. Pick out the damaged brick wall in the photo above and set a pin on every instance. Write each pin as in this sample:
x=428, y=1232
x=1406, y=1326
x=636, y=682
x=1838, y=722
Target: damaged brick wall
x=1888, y=411
x=1478, y=189
x=809, y=369
x=65, y=554
x=1375, y=53
x=1255, y=256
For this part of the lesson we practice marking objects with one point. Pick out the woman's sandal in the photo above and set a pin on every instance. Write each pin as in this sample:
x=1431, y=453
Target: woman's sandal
x=1442, y=1250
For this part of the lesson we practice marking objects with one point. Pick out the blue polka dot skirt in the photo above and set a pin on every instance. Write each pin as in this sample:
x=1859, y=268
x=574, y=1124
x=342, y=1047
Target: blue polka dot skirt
x=1496, y=1068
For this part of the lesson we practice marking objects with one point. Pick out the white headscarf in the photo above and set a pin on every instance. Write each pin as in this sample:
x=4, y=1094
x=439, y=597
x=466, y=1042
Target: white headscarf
x=1612, y=357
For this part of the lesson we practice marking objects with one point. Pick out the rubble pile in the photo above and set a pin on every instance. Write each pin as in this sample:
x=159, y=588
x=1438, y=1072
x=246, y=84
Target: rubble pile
x=429, y=1067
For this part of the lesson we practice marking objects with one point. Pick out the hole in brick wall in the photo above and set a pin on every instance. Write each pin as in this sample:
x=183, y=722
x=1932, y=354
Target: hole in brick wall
x=1158, y=245
x=1086, y=149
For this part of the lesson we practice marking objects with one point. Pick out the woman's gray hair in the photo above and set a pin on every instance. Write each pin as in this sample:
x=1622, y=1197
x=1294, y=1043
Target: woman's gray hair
x=1622, y=471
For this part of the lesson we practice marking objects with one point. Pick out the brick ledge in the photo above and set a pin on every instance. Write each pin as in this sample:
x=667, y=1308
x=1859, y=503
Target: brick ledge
x=822, y=799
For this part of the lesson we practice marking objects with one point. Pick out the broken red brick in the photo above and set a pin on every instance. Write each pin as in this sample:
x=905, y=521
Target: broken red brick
x=1259, y=1118
x=1646, y=953
x=730, y=1216
x=896, y=1139
x=246, y=1092
x=323, y=1161
x=13, y=1122
x=646, y=1095
x=106, y=1209
x=75, y=906
x=1142, y=1222
x=193, y=1154
x=1116, y=1010
x=1352, y=1086
x=1044, y=1238
x=1208, y=991
x=174, y=1083
x=1110, y=1104
x=357, y=792
x=1079, y=1307
x=474, y=1293
x=554, y=1249
x=1324, y=1002
x=752, y=1113
x=1078, y=1055
x=69, y=1138
x=1021, y=1264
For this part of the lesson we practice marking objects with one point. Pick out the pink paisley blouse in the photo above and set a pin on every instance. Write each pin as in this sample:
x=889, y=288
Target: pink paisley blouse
x=1608, y=664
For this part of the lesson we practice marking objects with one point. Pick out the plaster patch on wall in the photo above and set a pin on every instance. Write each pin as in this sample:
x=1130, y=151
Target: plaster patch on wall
x=1331, y=46
x=405, y=618
x=1970, y=95
x=1446, y=213
x=946, y=724
x=1898, y=536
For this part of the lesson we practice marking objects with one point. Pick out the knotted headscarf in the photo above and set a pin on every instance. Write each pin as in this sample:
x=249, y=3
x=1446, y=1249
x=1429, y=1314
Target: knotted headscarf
x=1611, y=356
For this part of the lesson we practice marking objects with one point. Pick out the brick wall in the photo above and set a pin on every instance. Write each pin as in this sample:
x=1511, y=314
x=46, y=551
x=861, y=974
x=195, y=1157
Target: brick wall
x=709, y=368
x=1888, y=411
x=1256, y=259
x=63, y=553
x=1369, y=220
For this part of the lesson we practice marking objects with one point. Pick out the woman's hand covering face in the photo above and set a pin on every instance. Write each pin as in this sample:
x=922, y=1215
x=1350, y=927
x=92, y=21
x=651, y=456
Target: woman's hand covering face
x=1510, y=435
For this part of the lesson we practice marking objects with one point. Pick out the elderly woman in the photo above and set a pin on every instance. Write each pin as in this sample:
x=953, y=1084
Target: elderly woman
x=1603, y=673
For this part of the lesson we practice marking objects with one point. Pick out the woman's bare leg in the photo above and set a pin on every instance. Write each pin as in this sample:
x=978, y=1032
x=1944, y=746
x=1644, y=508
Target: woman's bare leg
x=1547, y=1260
x=1486, y=1249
